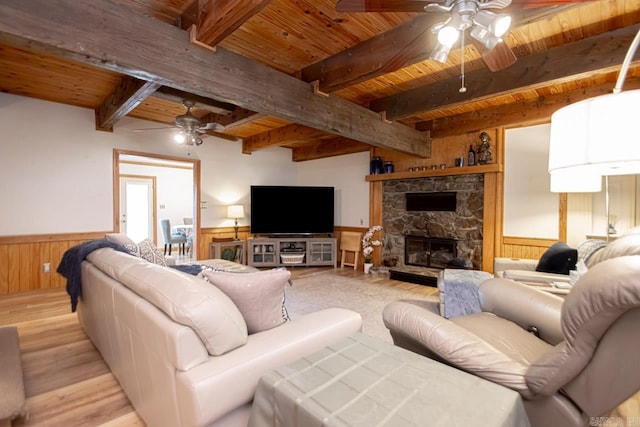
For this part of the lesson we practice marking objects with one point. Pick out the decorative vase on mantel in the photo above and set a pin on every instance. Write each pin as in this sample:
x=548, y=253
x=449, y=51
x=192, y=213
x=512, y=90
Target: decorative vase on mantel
x=367, y=267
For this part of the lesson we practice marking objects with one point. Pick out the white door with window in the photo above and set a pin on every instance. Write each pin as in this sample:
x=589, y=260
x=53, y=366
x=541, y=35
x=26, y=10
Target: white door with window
x=137, y=207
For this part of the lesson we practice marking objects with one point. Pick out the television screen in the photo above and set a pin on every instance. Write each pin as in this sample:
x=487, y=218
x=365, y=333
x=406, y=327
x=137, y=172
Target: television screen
x=291, y=210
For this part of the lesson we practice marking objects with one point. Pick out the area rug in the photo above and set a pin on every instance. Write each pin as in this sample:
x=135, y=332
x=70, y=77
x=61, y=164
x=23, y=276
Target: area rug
x=315, y=293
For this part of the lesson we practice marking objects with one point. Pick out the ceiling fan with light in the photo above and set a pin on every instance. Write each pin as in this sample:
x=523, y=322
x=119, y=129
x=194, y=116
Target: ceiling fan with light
x=476, y=17
x=191, y=128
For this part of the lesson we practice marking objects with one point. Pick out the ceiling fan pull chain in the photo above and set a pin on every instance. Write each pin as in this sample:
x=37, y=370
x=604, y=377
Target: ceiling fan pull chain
x=462, y=89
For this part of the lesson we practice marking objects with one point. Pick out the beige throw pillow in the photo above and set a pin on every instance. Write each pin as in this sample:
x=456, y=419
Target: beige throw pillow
x=119, y=238
x=147, y=251
x=259, y=296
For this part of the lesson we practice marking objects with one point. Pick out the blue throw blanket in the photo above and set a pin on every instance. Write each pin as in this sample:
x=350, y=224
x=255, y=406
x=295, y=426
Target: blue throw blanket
x=69, y=266
x=193, y=269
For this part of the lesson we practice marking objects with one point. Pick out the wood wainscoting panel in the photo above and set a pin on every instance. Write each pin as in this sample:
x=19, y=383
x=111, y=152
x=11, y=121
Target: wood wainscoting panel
x=22, y=260
x=525, y=247
x=206, y=234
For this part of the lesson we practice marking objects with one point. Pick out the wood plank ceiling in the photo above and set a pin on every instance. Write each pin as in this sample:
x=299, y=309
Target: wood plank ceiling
x=298, y=74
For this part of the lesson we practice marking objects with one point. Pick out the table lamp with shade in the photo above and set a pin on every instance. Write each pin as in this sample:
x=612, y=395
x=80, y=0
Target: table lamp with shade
x=235, y=212
x=596, y=138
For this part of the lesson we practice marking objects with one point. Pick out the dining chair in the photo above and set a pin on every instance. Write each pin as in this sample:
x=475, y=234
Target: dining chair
x=171, y=239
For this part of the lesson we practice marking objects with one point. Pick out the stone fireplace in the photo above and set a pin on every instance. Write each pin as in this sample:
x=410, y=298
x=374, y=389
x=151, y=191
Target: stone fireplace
x=441, y=218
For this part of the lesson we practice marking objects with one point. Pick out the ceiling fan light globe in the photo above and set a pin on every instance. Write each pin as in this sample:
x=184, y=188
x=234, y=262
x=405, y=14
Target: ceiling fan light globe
x=447, y=36
x=501, y=25
x=440, y=53
x=179, y=138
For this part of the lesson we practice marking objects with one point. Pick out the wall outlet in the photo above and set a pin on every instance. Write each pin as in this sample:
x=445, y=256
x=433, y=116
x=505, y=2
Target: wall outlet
x=46, y=267
x=361, y=221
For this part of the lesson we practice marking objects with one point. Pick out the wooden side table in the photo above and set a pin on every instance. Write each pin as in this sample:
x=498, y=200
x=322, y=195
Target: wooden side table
x=239, y=246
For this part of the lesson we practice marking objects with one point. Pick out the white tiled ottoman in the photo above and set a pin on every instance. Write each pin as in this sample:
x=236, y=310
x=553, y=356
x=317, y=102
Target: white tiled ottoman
x=363, y=381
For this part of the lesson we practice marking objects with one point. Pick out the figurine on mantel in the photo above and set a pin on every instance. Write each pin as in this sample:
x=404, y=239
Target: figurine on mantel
x=484, y=149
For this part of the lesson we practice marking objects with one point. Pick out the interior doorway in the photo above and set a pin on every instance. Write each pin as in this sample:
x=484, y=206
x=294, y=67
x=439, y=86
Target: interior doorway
x=138, y=213
x=175, y=194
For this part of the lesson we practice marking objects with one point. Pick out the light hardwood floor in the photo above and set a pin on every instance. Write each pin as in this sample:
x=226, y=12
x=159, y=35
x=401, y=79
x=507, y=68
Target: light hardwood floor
x=67, y=382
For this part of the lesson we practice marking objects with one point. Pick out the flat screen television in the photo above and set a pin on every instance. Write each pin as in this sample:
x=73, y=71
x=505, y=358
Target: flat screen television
x=295, y=210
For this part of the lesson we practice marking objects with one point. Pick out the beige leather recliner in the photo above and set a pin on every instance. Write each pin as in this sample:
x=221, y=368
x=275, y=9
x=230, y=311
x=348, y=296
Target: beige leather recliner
x=569, y=359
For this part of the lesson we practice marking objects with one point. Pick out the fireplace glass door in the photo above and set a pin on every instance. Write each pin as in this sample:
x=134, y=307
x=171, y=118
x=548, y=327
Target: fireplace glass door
x=429, y=252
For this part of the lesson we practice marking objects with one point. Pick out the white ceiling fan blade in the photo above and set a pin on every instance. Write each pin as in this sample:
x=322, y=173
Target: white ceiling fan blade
x=437, y=8
x=437, y=27
x=493, y=4
x=159, y=128
x=213, y=126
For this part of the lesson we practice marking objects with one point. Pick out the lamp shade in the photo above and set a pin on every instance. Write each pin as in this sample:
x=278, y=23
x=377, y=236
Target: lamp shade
x=597, y=136
x=575, y=183
x=235, y=211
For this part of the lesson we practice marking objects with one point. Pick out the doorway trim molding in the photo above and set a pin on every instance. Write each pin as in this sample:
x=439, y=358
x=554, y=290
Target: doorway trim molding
x=196, y=189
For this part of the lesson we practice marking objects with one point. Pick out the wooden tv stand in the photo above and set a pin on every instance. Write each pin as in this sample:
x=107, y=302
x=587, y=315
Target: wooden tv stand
x=291, y=251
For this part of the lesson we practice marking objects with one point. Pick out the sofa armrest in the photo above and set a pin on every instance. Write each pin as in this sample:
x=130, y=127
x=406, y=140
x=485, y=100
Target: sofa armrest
x=502, y=264
x=227, y=382
x=524, y=305
x=533, y=276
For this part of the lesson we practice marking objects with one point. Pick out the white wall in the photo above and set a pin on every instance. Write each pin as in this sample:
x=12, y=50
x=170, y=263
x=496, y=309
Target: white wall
x=530, y=209
x=56, y=170
x=347, y=174
x=227, y=176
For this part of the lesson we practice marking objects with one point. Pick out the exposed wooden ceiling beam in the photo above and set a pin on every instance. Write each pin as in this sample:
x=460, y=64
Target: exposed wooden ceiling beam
x=324, y=149
x=404, y=45
x=601, y=53
x=111, y=36
x=305, y=143
x=524, y=113
x=237, y=117
x=189, y=17
x=203, y=103
x=414, y=36
x=354, y=6
x=279, y=137
x=219, y=18
x=125, y=97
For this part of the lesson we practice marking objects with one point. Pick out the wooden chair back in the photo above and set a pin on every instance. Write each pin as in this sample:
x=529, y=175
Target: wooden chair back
x=350, y=242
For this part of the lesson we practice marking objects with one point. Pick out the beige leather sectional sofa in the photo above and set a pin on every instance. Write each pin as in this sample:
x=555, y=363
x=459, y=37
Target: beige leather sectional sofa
x=179, y=346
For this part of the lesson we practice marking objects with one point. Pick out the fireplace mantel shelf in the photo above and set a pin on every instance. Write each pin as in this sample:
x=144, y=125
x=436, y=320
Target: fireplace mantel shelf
x=494, y=167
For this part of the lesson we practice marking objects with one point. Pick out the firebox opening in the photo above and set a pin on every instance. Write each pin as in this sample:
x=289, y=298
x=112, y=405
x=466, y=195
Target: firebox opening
x=431, y=252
